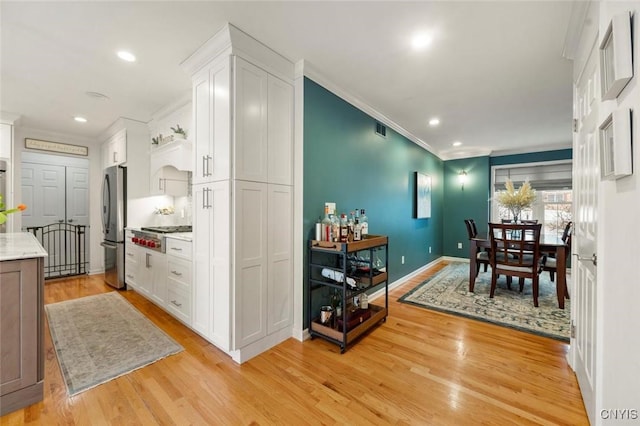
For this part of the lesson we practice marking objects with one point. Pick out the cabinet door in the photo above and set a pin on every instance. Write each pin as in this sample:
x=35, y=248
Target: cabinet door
x=212, y=122
x=211, y=276
x=19, y=324
x=145, y=285
x=280, y=131
x=250, y=278
x=157, y=274
x=280, y=258
x=169, y=181
x=118, y=147
x=131, y=263
x=250, y=147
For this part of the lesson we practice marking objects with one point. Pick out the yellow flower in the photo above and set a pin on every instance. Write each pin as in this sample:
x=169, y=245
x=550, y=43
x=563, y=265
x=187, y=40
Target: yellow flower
x=516, y=200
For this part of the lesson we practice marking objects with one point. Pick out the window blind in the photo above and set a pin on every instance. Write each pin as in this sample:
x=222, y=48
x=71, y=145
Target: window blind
x=542, y=177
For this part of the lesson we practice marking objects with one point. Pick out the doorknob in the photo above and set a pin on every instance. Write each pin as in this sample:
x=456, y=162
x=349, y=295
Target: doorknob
x=60, y=220
x=70, y=220
x=593, y=258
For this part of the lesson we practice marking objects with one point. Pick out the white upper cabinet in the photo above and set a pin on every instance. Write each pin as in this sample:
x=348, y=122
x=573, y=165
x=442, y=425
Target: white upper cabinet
x=280, y=131
x=212, y=122
x=250, y=149
x=114, y=149
x=6, y=140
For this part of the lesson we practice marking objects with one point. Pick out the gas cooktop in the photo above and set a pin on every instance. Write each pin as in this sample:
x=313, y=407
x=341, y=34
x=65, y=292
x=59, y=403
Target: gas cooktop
x=167, y=229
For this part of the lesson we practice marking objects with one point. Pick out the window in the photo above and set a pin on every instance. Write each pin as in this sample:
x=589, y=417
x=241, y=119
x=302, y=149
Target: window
x=553, y=184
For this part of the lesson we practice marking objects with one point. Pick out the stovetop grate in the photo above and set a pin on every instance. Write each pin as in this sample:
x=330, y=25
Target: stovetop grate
x=167, y=229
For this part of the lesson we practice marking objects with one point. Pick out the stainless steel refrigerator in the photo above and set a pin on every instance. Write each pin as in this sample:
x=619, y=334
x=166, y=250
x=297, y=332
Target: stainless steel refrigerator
x=114, y=219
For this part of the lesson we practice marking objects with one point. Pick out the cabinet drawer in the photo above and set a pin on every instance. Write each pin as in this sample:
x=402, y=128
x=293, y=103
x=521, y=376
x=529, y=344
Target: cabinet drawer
x=179, y=270
x=131, y=272
x=179, y=302
x=179, y=248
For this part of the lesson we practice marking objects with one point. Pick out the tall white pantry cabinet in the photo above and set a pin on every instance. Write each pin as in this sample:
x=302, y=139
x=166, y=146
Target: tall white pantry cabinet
x=242, y=194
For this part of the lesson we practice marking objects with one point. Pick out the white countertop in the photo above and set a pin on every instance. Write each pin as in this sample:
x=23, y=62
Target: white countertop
x=184, y=236
x=20, y=245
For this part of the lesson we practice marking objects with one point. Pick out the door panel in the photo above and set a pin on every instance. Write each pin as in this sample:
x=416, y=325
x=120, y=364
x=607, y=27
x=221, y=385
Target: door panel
x=586, y=185
x=44, y=189
x=77, y=196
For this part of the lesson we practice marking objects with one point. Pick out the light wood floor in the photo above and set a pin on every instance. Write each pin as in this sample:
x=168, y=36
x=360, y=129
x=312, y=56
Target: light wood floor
x=420, y=367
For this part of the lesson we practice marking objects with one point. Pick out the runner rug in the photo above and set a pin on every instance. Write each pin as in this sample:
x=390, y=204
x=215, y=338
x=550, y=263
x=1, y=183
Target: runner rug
x=99, y=338
x=448, y=291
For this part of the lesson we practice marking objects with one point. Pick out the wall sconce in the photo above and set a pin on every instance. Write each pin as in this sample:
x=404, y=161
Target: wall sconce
x=462, y=177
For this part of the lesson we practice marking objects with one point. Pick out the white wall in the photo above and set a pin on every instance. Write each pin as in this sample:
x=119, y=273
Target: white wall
x=619, y=257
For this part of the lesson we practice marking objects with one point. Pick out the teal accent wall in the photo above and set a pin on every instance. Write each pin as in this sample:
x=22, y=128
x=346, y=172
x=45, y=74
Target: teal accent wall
x=470, y=202
x=347, y=163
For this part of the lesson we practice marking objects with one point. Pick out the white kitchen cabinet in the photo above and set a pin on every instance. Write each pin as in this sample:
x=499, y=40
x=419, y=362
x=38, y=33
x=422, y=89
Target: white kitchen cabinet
x=153, y=275
x=242, y=194
x=211, y=261
x=6, y=140
x=179, y=283
x=114, y=149
x=250, y=262
x=131, y=262
x=212, y=122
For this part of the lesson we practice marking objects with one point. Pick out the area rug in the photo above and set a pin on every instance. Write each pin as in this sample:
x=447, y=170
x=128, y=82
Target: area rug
x=99, y=338
x=448, y=291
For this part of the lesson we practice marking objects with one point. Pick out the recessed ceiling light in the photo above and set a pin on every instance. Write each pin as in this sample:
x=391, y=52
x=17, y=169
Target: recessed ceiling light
x=457, y=143
x=434, y=121
x=126, y=56
x=420, y=41
x=80, y=119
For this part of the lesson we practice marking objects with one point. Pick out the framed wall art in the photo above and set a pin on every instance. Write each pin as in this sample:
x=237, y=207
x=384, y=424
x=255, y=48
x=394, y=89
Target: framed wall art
x=615, y=145
x=616, y=59
x=422, y=197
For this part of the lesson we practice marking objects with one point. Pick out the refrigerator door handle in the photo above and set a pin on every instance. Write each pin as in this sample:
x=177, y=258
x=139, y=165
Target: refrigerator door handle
x=106, y=244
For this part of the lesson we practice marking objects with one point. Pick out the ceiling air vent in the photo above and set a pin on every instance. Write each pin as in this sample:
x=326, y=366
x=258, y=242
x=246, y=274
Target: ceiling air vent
x=381, y=130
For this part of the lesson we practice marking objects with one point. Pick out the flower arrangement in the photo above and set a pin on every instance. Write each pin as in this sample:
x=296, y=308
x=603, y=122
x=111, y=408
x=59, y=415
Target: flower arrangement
x=164, y=210
x=516, y=200
x=179, y=131
x=4, y=213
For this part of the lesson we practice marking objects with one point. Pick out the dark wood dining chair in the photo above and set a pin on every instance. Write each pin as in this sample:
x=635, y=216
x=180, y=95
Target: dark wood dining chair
x=529, y=221
x=515, y=252
x=482, y=256
x=550, y=262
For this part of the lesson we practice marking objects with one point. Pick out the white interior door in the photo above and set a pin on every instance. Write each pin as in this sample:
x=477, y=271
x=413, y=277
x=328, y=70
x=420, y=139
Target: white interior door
x=77, y=202
x=586, y=181
x=43, y=191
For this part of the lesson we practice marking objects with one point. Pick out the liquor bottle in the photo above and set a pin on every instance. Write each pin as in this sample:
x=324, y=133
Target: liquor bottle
x=364, y=221
x=357, y=230
x=319, y=229
x=344, y=229
x=335, y=228
x=326, y=225
x=351, y=225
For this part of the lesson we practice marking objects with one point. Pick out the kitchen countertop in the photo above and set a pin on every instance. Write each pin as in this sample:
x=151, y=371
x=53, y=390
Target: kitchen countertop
x=20, y=245
x=184, y=236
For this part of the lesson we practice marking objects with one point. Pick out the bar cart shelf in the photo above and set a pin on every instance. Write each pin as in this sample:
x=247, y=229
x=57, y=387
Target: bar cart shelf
x=364, y=264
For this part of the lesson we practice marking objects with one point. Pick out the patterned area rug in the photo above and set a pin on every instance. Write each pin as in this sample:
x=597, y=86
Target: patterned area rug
x=448, y=291
x=99, y=338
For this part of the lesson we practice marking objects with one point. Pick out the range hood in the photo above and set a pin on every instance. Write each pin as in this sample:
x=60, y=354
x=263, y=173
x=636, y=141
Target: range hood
x=178, y=154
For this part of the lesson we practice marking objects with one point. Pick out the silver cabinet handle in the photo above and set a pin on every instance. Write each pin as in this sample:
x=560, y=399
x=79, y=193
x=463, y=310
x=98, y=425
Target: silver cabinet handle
x=209, y=171
x=176, y=273
x=593, y=258
x=179, y=305
x=204, y=165
x=129, y=276
x=130, y=254
x=160, y=184
x=147, y=263
x=115, y=157
x=176, y=248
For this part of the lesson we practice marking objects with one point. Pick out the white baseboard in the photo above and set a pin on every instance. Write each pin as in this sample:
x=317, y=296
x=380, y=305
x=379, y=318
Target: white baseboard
x=406, y=278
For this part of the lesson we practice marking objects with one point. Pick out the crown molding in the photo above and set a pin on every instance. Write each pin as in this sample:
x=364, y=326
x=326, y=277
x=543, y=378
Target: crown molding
x=311, y=72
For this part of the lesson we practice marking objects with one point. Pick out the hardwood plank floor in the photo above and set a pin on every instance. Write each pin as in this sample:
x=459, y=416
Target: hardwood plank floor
x=419, y=367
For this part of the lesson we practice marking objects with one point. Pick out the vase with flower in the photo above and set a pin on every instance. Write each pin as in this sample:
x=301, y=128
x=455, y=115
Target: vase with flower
x=4, y=212
x=515, y=200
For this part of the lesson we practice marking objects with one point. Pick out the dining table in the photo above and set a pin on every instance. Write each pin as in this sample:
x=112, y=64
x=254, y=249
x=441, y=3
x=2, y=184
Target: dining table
x=549, y=244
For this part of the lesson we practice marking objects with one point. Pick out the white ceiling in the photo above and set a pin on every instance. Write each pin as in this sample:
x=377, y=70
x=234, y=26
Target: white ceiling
x=494, y=73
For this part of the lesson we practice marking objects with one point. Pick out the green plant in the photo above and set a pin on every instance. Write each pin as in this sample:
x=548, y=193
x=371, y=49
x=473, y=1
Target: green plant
x=4, y=213
x=155, y=141
x=179, y=131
